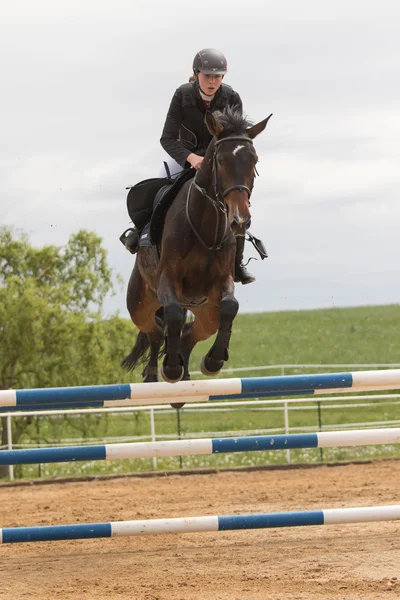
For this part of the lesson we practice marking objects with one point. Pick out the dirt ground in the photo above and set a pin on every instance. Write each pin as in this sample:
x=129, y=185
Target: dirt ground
x=355, y=561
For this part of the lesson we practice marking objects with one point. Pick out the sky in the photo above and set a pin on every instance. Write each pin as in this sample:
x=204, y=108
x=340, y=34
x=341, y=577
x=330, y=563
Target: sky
x=85, y=88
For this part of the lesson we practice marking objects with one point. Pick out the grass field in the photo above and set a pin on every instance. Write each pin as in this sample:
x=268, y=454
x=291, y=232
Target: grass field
x=338, y=335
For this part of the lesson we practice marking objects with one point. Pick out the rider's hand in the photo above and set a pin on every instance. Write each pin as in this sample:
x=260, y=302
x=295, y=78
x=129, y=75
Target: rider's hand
x=195, y=160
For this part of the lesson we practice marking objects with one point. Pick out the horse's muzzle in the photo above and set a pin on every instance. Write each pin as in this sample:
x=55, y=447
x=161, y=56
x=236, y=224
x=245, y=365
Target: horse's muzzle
x=239, y=221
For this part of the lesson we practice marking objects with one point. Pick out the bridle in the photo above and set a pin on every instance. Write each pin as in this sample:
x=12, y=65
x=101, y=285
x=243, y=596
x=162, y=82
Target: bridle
x=218, y=202
x=244, y=188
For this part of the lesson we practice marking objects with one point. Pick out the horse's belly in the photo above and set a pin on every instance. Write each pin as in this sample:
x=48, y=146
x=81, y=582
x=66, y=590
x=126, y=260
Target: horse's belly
x=193, y=300
x=196, y=289
x=194, y=292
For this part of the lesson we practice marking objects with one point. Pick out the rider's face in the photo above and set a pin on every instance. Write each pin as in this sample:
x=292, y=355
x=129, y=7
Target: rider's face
x=209, y=84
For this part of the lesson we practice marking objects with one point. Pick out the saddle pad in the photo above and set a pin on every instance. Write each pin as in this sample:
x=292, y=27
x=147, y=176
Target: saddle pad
x=140, y=200
x=165, y=201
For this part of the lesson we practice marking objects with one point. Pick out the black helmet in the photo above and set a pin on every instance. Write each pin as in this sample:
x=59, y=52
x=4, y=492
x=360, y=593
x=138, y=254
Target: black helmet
x=210, y=62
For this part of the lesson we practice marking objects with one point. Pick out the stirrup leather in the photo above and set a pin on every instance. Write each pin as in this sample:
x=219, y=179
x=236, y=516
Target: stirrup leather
x=258, y=245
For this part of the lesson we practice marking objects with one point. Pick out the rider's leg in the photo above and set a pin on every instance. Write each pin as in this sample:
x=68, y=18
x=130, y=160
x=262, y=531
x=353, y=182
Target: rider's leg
x=241, y=273
x=170, y=169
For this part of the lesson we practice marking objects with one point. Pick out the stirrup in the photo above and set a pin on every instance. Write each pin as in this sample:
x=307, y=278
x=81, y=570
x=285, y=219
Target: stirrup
x=258, y=245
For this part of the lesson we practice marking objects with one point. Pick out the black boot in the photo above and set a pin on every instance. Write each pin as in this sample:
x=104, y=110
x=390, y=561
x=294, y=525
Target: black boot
x=130, y=239
x=241, y=273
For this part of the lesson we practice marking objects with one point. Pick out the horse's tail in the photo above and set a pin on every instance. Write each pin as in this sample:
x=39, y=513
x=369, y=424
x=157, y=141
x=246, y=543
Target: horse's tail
x=138, y=354
x=141, y=350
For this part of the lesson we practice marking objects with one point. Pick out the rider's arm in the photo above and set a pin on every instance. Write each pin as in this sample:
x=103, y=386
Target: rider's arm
x=170, y=135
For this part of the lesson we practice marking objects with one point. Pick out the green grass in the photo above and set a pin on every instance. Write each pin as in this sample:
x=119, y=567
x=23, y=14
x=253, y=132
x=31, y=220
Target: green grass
x=338, y=335
x=331, y=336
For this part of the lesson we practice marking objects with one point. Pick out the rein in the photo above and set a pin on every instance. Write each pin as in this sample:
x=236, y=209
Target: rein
x=219, y=208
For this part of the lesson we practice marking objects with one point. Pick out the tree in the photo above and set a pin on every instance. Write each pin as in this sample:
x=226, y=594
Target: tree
x=52, y=332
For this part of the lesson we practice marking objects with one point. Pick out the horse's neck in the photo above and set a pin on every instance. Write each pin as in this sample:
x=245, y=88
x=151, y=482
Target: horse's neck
x=204, y=178
x=208, y=219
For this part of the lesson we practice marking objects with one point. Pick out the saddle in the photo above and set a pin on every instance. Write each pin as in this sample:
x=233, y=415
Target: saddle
x=148, y=202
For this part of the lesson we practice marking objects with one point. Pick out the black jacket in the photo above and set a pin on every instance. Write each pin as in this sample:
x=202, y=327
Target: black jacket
x=185, y=130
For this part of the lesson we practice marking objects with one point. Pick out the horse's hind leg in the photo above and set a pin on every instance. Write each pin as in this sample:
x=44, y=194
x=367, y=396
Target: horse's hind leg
x=156, y=338
x=142, y=305
x=204, y=326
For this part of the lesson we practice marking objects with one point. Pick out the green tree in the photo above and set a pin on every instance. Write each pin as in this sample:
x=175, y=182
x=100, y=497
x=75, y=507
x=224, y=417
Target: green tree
x=52, y=332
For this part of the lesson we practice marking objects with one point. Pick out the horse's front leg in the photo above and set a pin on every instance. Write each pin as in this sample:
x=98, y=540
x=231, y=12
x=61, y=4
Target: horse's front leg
x=214, y=360
x=174, y=317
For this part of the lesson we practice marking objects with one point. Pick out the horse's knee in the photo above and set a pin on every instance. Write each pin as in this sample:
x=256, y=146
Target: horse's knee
x=174, y=315
x=228, y=308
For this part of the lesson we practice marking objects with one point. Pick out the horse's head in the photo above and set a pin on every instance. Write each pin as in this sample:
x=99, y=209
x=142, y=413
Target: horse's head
x=233, y=160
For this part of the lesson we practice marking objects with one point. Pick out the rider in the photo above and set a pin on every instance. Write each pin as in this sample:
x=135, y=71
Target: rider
x=185, y=136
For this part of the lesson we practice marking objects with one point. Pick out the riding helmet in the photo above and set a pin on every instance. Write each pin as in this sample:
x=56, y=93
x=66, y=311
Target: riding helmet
x=210, y=62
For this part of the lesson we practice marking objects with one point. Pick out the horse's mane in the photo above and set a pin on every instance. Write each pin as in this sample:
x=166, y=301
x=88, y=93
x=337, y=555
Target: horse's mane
x=233, y=121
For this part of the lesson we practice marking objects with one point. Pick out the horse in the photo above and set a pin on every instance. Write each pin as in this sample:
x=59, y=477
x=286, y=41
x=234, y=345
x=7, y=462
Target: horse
x=193, y=266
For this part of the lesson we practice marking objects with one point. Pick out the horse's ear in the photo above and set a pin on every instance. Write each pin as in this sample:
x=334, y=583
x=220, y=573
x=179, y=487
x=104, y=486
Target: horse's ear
x=256, y=129
x=214, y=127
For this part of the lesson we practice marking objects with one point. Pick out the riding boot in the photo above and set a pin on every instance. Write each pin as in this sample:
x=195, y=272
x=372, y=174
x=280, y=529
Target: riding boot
x=130, y=239
x=241, y=273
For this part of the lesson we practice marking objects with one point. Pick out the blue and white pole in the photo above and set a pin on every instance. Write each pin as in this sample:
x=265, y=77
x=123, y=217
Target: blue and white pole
x=331, y=439
x=199, y=524
x=199, y=390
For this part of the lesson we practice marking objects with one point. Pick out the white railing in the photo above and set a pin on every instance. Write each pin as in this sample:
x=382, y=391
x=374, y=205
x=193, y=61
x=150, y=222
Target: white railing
x=302, y=366
x=286, y=405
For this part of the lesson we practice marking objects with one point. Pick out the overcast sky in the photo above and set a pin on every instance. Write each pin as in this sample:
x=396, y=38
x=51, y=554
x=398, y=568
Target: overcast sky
x=85, y=87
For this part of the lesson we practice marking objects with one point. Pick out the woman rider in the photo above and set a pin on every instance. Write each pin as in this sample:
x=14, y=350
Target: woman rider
x=185, y=136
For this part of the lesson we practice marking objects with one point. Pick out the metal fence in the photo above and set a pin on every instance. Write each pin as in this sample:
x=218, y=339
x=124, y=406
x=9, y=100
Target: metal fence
x=286, y=406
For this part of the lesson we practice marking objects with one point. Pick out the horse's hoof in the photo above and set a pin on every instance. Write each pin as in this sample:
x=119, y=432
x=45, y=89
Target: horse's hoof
x=178, y=404
x=172, y=374
x=208, y=369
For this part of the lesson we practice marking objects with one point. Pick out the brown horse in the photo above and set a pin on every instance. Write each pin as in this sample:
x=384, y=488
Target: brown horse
x=194, y=266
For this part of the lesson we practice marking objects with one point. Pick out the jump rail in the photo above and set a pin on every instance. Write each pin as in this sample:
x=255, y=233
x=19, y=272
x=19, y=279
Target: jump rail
x=201, y=446
x=198, y=390
x=199, y=524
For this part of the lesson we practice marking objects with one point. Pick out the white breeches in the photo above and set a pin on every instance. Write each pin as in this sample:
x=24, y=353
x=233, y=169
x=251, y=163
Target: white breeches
x=174, y=168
